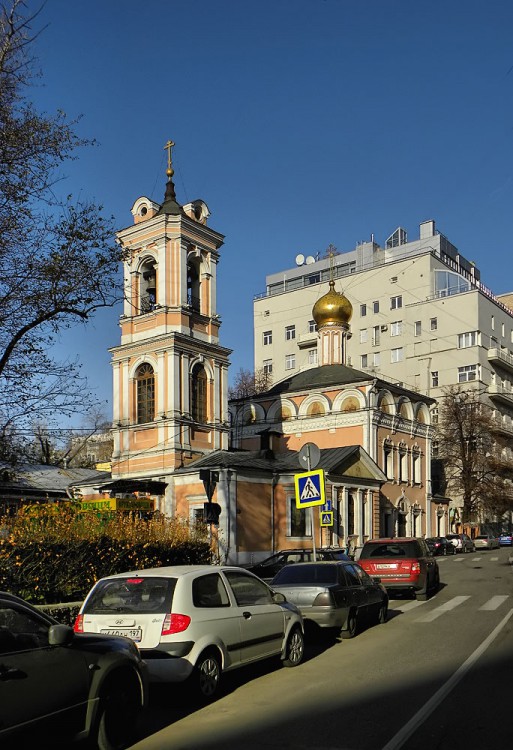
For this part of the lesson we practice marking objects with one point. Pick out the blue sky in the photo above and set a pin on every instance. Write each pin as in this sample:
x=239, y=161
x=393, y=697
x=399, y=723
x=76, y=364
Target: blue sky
x=299, y=122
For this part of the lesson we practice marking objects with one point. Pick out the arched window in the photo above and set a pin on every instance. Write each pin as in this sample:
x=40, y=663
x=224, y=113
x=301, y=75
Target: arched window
x=145, y=379
x=199, y=394
x=193, y=286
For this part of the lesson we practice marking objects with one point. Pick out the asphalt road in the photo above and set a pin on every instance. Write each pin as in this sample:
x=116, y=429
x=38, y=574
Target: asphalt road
x=436, y=675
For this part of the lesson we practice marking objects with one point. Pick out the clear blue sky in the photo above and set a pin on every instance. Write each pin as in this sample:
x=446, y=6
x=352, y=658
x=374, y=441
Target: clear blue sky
x=299, y=122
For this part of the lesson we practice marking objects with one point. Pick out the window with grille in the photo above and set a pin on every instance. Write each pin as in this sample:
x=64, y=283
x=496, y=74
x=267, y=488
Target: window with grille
x=145, y=381
x=199, y=394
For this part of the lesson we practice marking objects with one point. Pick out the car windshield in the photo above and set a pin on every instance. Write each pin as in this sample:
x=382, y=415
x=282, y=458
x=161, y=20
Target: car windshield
x=307, y=574
x=132, y=594
x=389, y=549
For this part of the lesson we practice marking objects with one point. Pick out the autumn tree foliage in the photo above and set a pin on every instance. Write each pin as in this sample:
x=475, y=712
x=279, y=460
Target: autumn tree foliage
x=475, y=451
x=58, y=257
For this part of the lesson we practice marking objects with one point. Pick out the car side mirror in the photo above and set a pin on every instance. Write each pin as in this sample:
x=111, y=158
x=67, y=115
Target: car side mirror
x=278, y=597
x=376, y=579
x=60, y=635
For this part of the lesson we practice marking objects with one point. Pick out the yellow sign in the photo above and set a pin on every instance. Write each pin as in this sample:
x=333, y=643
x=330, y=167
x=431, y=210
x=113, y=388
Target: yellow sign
x=326, y=517
x=309, y=488
x=115, y=503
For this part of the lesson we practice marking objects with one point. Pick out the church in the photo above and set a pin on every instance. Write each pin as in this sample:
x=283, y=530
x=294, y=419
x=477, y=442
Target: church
x=178, y=442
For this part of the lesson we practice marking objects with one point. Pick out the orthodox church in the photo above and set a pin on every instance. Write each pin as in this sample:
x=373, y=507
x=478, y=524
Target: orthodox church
x=178, y=443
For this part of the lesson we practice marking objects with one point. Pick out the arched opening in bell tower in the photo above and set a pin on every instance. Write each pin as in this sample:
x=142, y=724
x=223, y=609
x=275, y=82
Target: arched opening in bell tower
x=148, y=285
x=199, y=394
x=193, y=284
x=145, y=387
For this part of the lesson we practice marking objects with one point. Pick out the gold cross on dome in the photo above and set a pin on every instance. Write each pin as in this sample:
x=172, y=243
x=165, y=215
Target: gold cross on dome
x=169, y=145
x=331, y=251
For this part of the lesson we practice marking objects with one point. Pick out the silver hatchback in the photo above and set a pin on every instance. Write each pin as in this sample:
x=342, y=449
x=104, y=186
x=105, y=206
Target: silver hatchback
x=195, y=621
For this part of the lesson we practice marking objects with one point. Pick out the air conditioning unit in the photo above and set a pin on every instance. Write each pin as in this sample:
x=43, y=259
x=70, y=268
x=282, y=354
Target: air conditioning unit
x=384, y=328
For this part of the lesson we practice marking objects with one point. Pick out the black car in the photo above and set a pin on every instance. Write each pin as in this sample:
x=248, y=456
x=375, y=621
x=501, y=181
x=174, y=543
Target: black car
x=439, y=545
x=267, y=569
x=60, y=686
x=333, y=594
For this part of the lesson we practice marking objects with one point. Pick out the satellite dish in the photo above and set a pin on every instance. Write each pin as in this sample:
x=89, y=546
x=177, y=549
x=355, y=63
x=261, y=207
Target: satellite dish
x=300, y=259
x=310, y=259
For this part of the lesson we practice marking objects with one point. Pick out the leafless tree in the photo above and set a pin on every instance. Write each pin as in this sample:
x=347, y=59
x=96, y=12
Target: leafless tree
x=247, y=383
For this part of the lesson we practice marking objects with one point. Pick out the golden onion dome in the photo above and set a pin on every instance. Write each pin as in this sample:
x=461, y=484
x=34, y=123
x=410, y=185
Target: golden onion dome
x=332, y=309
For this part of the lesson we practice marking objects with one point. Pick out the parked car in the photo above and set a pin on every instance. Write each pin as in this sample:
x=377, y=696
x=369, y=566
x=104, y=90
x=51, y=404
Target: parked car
x=486, y=541
x=268, y=568
x=439, y=545
x=506, y=539
x=333, y=594
x=462, y=542
x=402, y=564
x=193, y=622
x=71, y=686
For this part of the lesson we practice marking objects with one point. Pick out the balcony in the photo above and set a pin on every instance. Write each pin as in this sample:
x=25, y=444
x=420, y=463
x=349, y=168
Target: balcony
x=501, y=358
x=305, y=340
x=500, y=393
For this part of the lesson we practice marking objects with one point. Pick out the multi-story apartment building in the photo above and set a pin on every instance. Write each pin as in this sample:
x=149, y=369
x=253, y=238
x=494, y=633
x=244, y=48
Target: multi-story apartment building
x=421, y=318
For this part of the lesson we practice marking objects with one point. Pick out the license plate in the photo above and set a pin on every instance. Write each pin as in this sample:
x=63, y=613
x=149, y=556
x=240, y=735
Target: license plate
x=386, y=566
x=134, y=633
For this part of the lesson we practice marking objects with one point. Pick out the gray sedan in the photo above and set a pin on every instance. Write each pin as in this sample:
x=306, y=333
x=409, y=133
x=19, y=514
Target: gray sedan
x=333, y=594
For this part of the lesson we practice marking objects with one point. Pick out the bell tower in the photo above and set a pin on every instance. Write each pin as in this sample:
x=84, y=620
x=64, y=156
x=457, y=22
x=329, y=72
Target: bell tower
x=170, y=374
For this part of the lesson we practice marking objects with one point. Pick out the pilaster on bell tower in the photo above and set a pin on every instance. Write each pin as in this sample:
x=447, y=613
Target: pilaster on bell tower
x=170, y=373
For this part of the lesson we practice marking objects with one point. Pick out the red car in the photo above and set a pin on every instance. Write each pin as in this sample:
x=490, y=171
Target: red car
x=402, y=564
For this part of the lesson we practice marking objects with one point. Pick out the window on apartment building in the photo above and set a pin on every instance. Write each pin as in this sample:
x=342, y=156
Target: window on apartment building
x=290, y=361
x=467, y=339
x=314, y=278
x=364, y=360
x=267, y=366
x=469, y=372
x=298, y=522
x=376, y=335
x=267, y=337
x=312, y=357
x=363, y=336
x=199, y=393
x=397, y=355
x=363, y=310
x=376, y=359
x=396, y=302
x=434, y=415
x=434, y=378
x=417, y=328
x=312, y=328
x=493, y=322
x=433, y=324
x=396, y=328
x=375, y=307
x=290, y=333
x=434, y=448
x=145, y=383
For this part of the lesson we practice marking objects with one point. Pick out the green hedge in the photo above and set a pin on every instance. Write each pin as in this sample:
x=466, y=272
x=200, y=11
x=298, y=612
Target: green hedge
x=64, y=572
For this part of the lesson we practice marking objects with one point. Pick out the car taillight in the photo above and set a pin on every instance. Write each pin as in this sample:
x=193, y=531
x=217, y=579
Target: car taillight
x=78, y=627
x=415, y=567
x=175, y=624
x=323, y=600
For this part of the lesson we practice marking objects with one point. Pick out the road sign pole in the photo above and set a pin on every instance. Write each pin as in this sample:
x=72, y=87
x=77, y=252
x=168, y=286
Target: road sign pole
x=309, y=468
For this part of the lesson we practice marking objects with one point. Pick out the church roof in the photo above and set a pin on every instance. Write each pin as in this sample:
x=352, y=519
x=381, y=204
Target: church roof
x=322, y=376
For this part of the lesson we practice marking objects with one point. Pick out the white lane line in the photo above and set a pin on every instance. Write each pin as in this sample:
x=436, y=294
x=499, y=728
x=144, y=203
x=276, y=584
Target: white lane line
x=476, y=559
x=493, y=559
x=408, y=606
x=417, y=719
x=494, y=603
x=451, y=604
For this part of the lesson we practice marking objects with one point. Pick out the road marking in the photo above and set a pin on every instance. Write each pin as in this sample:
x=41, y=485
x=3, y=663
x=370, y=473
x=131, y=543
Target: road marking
x=451, y=604
x=458, y=558
x=493, y=559
x=417, y=719
x=494, y=603
x=409, y=605
x=476, y=559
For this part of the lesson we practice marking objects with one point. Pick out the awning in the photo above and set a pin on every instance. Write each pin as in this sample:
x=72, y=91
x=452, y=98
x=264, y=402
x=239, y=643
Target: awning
x=128, y=486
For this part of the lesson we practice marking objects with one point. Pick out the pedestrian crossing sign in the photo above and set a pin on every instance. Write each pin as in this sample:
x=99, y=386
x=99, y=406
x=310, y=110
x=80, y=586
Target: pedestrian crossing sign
x=309, y=488
x=326, y=517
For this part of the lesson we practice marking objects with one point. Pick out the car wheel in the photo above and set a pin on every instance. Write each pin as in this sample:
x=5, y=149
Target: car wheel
x=120, y=707
x=207, y=674
x=351, y=627
x=294, y=649
x=383, y=613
